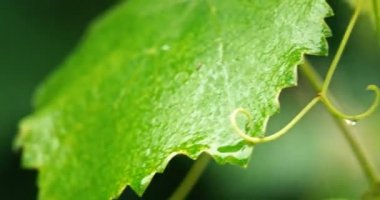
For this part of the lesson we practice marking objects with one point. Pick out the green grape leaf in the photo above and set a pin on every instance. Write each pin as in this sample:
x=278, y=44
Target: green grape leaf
x=154, y=79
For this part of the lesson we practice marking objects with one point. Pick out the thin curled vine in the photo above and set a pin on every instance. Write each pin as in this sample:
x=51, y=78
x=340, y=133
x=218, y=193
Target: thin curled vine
x=322, y=96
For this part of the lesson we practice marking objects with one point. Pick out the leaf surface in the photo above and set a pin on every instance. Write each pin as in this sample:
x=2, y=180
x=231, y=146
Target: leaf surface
x=154, y=79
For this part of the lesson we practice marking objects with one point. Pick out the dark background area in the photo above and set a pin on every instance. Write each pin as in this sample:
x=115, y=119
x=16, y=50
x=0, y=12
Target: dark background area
x=311, y=162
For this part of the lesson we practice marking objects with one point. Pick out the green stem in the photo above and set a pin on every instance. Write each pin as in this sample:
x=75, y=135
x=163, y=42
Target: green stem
x=324, y=89
x=375, y=10
x=191, y=178
x=341, y=48
x=364, y=162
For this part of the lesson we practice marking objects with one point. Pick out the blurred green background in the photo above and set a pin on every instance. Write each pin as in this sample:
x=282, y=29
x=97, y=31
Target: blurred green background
x=312, y=161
